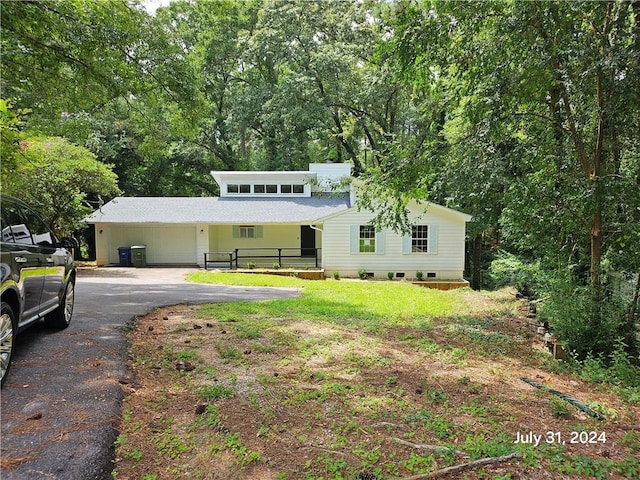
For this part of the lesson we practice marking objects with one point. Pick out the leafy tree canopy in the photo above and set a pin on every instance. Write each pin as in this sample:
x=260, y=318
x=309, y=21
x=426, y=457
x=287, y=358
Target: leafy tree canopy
x=59, y=179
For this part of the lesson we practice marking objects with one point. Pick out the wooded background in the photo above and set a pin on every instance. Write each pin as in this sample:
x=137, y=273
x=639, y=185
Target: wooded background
x=525, y=115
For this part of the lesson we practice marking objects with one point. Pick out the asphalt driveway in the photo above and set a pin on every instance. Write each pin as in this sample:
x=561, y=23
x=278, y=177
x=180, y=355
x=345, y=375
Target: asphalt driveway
x=61, y=403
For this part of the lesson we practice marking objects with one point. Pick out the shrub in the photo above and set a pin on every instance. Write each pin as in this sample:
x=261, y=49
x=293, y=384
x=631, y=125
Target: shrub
x=336, y=275
x=509, y=270
x=390, y=275
x=251, y=265
x=276, y=266
x=419, y=275
x=362, y=273
x=570, y=311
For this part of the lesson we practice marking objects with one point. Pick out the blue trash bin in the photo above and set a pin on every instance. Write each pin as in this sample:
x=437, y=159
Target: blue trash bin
x=124, y=253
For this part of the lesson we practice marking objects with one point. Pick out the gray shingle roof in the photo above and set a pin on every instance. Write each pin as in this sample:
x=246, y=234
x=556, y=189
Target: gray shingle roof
x=220, y=210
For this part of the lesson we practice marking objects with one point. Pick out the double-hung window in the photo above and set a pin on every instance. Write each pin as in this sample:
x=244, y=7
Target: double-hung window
x=247, y=231
x=423, y=239
x=420, y=238
x=367, y=239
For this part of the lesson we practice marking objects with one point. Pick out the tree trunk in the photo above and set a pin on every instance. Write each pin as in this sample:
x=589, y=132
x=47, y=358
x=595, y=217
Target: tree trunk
x=476, y=262
x=631, y=338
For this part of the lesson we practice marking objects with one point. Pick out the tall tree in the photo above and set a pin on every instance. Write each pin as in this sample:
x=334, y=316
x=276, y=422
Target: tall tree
x=58, y=179
x=76, y=55
x=552, y=85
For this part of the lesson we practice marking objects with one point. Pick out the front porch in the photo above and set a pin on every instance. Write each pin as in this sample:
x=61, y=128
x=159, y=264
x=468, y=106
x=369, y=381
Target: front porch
x=273, y=258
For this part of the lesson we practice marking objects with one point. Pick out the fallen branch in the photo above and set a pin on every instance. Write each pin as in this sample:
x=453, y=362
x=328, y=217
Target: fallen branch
x=428, y=448
x=629, y=427
x=466, y=466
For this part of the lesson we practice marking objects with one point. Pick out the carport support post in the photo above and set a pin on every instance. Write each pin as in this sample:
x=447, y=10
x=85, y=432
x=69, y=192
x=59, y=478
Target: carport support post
x=230, y=260
x=237, y=258
x=280, y=257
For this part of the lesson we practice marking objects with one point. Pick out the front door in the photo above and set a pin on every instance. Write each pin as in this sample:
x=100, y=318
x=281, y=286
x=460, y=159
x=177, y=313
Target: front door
x=307, y=241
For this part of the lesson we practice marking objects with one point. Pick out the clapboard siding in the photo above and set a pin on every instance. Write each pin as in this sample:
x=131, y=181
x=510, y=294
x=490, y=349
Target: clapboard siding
x=446, y=263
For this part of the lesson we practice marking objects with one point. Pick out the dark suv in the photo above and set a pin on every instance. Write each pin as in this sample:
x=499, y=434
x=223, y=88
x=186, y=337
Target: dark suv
x=38, y=275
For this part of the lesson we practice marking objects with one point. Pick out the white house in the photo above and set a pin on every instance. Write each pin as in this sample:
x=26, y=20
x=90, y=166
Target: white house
x=304, y=218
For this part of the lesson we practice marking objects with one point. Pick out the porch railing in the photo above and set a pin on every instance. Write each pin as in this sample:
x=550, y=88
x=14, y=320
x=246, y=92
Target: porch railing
x=237, y=257
x=219, y=259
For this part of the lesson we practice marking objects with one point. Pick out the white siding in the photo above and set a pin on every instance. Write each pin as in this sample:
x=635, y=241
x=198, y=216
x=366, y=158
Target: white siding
x=330, y=176
x=102, y=244
x=446, y=263
x=202, y=243
x=166, y=244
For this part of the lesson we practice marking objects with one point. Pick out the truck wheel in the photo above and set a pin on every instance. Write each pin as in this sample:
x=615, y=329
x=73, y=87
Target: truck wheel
x=61, y=317
x=7, y=339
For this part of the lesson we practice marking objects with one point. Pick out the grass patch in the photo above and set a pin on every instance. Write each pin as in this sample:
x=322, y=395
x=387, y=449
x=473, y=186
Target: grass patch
x=370, y=305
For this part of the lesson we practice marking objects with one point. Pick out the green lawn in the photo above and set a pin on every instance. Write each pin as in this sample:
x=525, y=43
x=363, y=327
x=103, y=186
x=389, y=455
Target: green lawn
x=367, y=304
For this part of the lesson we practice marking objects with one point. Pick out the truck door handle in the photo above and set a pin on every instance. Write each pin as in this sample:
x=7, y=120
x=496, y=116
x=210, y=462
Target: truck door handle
x=20, y=260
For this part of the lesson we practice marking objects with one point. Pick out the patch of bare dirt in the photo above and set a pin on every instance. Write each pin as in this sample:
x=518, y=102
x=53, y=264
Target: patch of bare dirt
x=291, y=399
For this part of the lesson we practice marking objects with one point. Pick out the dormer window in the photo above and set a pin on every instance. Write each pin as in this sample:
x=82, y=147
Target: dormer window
x=260, y=188
x=295, y=188
x=263, y=189
x=235, y=188
x=319, y=178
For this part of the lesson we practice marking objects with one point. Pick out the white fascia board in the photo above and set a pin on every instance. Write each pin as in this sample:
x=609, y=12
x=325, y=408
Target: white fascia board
x=233, y=176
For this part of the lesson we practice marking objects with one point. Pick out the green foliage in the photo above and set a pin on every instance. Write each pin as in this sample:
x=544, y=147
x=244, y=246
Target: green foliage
x=210, y=419
x=559, y=408
x=81, y=55
x=169, y=444
x=9, y=136
x=509, y=270
x=215, y=392
x=134, y=455
x=520, y=136
x=57, y=178
x=569, y=309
